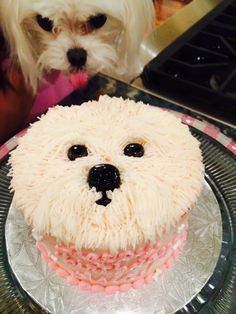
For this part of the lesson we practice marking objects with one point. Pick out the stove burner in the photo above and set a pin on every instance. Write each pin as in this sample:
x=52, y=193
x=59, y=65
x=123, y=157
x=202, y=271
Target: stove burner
x=199, y=67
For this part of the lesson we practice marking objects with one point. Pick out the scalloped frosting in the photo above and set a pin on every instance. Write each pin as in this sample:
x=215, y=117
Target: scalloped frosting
x=103, y=272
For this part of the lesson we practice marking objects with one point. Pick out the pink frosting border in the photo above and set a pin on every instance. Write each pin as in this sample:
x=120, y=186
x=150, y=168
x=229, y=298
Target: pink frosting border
x=114, y=288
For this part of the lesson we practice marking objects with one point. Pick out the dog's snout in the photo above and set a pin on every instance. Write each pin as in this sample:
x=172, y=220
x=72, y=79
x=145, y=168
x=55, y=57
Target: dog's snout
x=77, y=57
x=104, y=177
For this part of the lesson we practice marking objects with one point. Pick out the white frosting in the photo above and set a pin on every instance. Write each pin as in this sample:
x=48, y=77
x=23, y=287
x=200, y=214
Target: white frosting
x=155, y=191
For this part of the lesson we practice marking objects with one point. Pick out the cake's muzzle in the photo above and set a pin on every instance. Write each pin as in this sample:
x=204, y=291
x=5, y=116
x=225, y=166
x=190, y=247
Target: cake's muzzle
x=113, y=272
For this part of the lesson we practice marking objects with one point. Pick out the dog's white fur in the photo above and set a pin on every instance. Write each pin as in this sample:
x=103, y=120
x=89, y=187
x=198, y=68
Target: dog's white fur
x=156, y=190
x=113, y=47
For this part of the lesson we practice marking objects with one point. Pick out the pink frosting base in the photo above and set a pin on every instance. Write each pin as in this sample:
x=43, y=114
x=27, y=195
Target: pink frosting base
x=152, y=258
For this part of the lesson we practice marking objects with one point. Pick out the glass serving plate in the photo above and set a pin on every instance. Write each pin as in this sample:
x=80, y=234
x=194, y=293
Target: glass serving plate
x=219, y=293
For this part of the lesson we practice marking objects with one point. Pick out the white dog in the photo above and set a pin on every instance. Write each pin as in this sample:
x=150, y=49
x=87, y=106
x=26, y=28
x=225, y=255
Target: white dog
x=82, y=36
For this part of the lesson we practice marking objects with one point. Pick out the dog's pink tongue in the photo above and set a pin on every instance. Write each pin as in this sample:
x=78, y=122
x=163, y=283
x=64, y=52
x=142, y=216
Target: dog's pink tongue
x=79, y=79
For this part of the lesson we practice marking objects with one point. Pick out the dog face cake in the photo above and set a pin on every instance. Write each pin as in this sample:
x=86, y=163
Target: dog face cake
x=107, y=187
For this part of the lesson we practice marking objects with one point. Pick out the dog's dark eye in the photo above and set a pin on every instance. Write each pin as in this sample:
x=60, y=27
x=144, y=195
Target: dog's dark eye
x=77, y=151
x=134, y=150
x=45, y=23
x=97, y=21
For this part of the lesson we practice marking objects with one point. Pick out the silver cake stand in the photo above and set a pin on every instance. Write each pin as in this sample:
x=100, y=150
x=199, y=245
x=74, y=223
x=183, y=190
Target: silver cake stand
x=166, y=294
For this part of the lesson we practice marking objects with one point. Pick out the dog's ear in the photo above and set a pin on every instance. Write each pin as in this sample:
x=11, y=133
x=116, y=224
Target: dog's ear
x=11, y=21
x=139, y=21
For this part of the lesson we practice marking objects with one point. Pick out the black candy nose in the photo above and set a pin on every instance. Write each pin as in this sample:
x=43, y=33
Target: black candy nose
x=104, y=177
x=77, y=57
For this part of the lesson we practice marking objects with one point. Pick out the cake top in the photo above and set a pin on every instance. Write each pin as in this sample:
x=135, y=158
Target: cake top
x=109, y=174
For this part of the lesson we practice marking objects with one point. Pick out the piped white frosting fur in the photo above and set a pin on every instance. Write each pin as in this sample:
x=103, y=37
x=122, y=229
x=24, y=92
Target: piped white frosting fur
x=155, y=191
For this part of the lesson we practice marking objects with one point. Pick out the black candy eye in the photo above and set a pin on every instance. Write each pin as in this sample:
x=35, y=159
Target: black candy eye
x=97, y=21
x=45, y=23
x=134, y=150
x=77, y=151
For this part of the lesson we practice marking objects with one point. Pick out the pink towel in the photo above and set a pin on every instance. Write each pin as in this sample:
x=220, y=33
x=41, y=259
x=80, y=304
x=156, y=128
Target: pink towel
x=54, y=88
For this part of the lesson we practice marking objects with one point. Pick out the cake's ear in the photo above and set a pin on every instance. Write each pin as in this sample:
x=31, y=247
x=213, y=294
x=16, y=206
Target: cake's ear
x=12, y=15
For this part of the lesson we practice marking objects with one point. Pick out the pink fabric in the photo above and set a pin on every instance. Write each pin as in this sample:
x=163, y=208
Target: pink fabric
x=54, y=88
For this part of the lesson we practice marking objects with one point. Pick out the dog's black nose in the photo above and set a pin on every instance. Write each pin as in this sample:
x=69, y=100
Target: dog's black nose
x=104, y=177
x=77, y=57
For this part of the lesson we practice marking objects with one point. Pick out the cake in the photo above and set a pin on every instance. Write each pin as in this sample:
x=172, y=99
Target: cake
x=107, y=188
